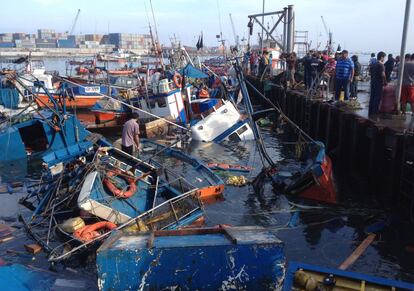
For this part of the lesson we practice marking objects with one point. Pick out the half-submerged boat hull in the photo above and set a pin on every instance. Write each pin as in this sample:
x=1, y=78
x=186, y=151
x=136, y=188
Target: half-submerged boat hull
x=223, y=122
x=315, y=181
x=192, y=259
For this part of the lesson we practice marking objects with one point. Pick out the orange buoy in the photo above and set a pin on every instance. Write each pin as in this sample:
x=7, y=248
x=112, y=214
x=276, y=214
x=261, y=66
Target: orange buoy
x=92, y=231
x=116, y=191
x=178, y=80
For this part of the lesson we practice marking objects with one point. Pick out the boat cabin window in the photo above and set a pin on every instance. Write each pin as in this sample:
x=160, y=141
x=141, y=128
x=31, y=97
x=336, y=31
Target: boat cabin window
x=242, y=129
x=34, y=137
x=234, y=137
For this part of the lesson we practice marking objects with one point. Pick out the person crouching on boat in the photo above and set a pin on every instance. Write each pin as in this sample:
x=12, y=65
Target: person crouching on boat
x=130, y=134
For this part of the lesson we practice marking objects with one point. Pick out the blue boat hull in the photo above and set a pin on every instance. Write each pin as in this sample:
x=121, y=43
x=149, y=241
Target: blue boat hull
x=192, y=259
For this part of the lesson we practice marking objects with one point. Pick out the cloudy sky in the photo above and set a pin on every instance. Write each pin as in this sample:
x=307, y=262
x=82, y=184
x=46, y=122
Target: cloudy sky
x=358, y=25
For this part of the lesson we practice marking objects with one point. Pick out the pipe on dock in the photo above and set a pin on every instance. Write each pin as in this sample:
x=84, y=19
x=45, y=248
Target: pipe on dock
x=290, y=29
x=402, y=53
x=285, y=25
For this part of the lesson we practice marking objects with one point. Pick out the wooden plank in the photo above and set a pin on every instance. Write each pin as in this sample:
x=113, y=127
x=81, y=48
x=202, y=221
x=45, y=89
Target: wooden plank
x=358, y=251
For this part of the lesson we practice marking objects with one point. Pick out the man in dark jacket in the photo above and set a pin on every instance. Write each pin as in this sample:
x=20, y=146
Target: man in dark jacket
x=378, y=81
x=389, y=66
x=355, y=79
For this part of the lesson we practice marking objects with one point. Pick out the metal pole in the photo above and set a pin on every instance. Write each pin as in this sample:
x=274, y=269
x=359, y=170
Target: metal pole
x=261, y=38
x=285, y=24
x=290, y=29
x=402, y=53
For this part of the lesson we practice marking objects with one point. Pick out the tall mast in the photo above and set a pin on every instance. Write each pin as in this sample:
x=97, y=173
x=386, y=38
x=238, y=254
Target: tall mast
x=158, y=51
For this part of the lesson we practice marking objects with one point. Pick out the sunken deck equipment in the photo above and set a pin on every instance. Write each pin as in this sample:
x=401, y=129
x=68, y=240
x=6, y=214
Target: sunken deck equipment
x=300, y=274
x=192, y=259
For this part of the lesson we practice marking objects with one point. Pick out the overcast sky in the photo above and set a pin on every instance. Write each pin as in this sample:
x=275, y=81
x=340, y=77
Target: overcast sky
x=358, y=25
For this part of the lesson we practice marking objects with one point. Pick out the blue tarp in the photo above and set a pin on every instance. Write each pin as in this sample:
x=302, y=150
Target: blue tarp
x=192, y=72
x=9, y=97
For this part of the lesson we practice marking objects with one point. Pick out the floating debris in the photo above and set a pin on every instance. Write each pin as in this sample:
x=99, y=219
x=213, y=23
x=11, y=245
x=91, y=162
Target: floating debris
x=237, y=181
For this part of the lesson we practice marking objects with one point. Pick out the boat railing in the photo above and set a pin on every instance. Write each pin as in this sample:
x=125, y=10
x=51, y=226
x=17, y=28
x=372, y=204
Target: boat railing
x=165, y=215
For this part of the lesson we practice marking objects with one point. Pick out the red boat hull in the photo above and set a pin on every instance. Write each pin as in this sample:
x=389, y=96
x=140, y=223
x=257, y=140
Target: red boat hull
x=324, y=189
x=108, y=116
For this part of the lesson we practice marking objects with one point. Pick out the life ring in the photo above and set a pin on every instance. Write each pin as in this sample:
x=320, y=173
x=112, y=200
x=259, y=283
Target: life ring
x=204, y=94
x=116, y=191
x=92, y=231
x=178, y=80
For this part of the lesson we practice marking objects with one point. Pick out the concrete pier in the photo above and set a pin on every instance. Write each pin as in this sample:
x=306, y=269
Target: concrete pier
x=375, y=155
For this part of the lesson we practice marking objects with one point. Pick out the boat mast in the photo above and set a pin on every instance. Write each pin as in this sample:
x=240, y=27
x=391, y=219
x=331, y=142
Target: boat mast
x=249, y=108
x=158, y=51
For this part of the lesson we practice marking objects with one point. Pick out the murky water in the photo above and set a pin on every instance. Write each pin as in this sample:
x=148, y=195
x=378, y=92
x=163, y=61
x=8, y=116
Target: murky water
x=313, y=233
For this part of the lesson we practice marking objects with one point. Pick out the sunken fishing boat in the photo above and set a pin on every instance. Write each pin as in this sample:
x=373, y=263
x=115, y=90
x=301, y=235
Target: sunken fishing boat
x=313, y=179
x=112, y=191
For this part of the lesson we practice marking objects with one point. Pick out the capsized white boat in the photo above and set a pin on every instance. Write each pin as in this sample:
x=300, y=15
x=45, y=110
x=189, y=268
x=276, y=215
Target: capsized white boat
x=220, y=122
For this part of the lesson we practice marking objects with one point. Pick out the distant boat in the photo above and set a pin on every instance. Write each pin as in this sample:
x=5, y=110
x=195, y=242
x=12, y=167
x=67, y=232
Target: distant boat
x=301, y=276
x=220, y=258
x=117, y=55
x=121, y=72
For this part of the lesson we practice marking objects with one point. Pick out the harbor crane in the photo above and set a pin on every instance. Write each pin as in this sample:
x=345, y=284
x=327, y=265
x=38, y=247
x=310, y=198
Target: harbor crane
x=329, y=34
x=236, y=37
x=72, y=28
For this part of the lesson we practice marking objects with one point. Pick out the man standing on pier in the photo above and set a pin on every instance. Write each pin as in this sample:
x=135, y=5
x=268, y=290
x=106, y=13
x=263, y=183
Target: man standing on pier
x=130, y=134
x=389, y=66
x=355, y=80
x=344, y=74
x=378, y=81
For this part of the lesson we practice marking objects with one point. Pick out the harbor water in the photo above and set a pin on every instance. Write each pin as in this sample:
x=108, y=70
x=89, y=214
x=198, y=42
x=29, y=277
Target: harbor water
x=314, y=233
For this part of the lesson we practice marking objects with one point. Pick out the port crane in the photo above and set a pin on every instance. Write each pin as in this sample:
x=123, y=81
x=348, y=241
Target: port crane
x=72, y=28
x=329, y=34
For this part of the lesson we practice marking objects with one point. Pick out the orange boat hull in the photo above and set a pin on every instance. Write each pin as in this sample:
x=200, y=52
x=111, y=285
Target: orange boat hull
x=211, y=194
x=324, y=190
x=79, y=101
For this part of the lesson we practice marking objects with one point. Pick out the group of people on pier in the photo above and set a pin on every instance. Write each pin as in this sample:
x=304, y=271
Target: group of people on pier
x=343, y=74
